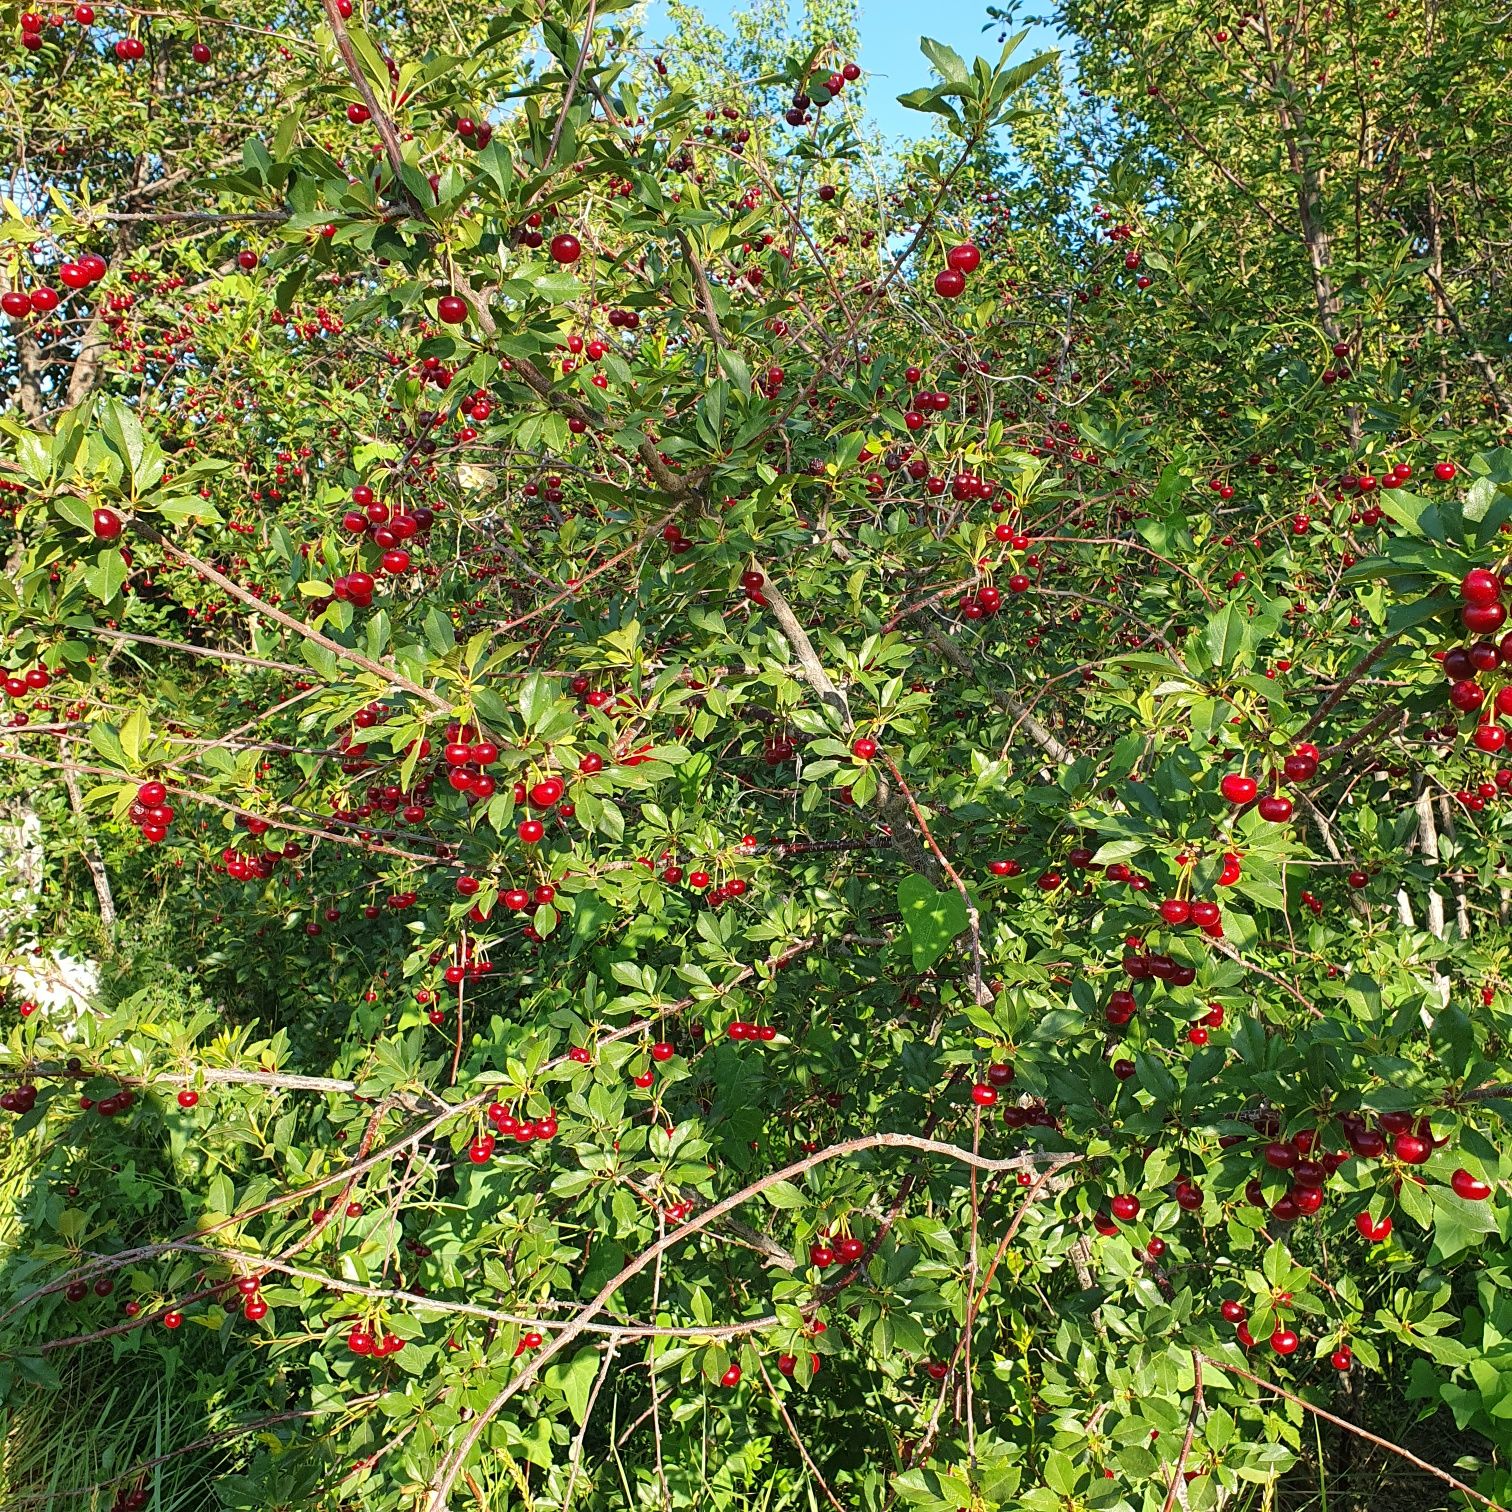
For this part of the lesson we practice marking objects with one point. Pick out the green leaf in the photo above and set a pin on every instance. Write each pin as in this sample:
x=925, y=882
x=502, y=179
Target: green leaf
x=575, y=1381
x=783, y=1194
x=108, y=575
x=1230, y=637
x=933, y=919
x=536, y=698
x=948, y=63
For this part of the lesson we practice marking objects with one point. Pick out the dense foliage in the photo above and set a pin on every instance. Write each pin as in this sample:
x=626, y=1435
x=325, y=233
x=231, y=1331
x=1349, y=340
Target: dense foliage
x=699, y=816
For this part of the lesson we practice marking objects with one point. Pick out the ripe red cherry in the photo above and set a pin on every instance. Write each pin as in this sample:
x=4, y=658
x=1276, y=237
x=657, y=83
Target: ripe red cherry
x=1284, y=1341
x=949, y=284
x=246, y=259
x=200, y=53
x=1412, y=1149
x=188, y=1097
x=1175, y=910
x=1342, y=1358
x=1238, y=788
x=863, y=749
x=964, y=258
x=44, y=300
x=1480, y=587
x=1471, y=1188
x=1280, y=1156
x=452, y=308
x=850, y=1248
x=15, y=304
x=731, y=1377
x=1375, y=1232
x=1125, y=1208
x=546, y=792
x=107, y=524
x=531, y=831
x=1275, y=808
x=1482, y=619
x=1445, y=472
x=1233, y=1312
x=565, y=248
x=821, y=1255
x=172, y=1319
x=983, y=1095
x=662, y=1051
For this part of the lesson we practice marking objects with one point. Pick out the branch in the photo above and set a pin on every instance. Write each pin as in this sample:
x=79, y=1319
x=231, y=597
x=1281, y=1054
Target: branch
x=451, y=1467
x=375, y=110
x=390, y=675
x=1358, y=1432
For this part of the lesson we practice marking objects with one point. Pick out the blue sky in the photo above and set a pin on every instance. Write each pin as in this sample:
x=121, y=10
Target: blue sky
x=890, y=31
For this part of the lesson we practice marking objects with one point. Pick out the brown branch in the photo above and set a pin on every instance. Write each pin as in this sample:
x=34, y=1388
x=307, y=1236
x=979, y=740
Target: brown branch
x=798, y=1444
x=1357, y=1431
x=561, y=122
x=451, y=1467
x=380, y=117
x=1191, y=1429
x=390, y=675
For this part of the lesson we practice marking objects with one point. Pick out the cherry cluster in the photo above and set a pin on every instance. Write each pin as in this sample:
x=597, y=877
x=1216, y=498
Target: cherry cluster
x=44, y=299
x=151, y=812
x=508, y=1126
x=1275, y=807
x=20, y=685
x=361, y=1342
x=950, y=281
x=19, y=1100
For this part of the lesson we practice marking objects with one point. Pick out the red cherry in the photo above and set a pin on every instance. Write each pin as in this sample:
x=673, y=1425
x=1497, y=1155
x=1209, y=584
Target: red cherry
x=1375, y=1232
x=965, y=258
x=1471, y=1188
x=863, y=749
x=1482, y=619
x=565, y=249
x=949, y=284
x=1445, y=472
x=451, y=308
x=107, y=524
x=1125, y=1208
x=1275, y=808
x=15, y=304
x=1342, y=1358
x=1284, y=1341
x=731, y=1377
x=983, y=1095
x=188, y=1097
x=1478, y=586
x=1238, y=788
x=530, y=831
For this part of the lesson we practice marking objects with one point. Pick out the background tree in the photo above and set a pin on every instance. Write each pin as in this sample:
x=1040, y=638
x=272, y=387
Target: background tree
x=781, y=828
